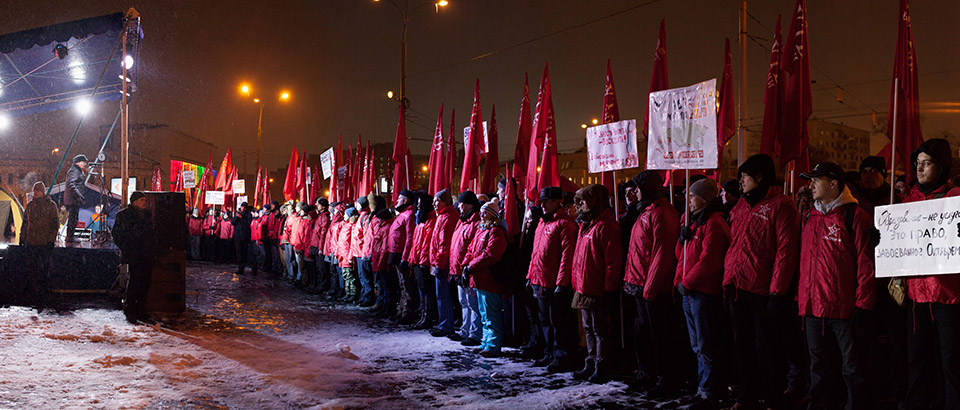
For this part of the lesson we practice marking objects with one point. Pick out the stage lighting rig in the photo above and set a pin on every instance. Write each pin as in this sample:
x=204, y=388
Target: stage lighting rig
x=61, y=51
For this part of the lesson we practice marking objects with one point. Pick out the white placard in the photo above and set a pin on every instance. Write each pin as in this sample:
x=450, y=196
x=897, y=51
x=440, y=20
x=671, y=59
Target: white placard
x=239, y=186
x=918, y=238
x=612, y=147
x=486, y=143
x=189, y=179
x=683, y=127
x=240, y=200
x=213, y=197
x=326, y=163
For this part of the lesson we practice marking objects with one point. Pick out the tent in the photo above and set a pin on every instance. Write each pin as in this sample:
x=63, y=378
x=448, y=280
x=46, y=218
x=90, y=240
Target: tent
x=10, y=212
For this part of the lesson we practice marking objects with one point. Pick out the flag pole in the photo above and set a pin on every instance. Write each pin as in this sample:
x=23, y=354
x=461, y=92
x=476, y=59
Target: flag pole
x=616, y=196
x=893, y=137
x=686, y=217
x=670, y=178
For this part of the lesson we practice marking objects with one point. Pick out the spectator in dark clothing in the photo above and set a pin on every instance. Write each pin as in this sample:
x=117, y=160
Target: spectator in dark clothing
x=134, y=234
x=241, y=238
x=37, y=234
x=73, y=193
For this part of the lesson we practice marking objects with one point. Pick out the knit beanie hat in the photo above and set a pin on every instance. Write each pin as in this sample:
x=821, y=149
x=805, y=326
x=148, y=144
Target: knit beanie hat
x=706, y=189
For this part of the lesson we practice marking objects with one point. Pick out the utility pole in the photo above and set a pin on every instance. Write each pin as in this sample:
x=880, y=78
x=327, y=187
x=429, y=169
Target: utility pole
x=741, y=132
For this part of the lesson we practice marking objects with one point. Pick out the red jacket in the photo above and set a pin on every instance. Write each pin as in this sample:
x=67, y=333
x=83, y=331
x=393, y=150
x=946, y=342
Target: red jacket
x=302, y=232
x=225, y=229
x=934, y=288
x=210, y=225
x=651, y=255
x=287, y=228
x=273, y=225
x=379, y=230
x=443, y=229
x=333, y=235
x=357, y=238
x=836, y=264
x=484, y=251
x=597, y=261
x=462, y=236
x=765, y=250
x=344, y=258
x=401, y=232
x=320, y=227
x=705, y=252
x=255, y=229
x=195, y=226
x=554, y=242
x=419, y=253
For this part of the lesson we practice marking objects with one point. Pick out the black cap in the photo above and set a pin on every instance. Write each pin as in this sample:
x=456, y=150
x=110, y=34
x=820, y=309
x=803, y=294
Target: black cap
x=408, y=193
x=468, y=197
x=550, y=192
x=323, y=202
x=243, y=205
x=80, y=158
x=825, y=169
x=136, y=195
x=874, y=162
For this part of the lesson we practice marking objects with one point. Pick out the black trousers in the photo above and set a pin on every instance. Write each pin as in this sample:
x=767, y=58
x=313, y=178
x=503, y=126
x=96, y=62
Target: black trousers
x=835, y=344
x=137, y=287
x=557, y=321
x=596, y=329
x=38, y=273
x=663, y=346
x=267, y=246
x=933, y=350
x=73, y=214
x=242, y=262
x=761, y=363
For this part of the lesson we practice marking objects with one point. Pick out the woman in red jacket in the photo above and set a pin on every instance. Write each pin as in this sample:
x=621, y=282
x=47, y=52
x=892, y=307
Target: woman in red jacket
x=704, y=239
x=597, y=263
x=225, y=240
x=486, y=250
x=388, y=287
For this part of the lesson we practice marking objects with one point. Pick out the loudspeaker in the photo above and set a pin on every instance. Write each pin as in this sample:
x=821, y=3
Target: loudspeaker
x=168, y=279
x=169, y=219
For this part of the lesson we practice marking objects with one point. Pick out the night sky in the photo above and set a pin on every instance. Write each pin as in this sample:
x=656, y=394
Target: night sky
x=339, y=58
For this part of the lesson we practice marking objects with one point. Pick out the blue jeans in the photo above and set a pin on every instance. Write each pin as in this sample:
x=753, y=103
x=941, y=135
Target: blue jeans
x=291, y=259
x=471, y=326
x=365, y=271
x=700, y=310
x=444, y=302
x=491, y=314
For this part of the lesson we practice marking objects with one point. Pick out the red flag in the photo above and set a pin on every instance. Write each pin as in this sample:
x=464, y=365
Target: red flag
x=726, y=118
x=256, y=190
x=772, y=99
x=332, y=193
x=907, y=98
x=521, y=153
x=156, y=181
x=341, y=190
x=472, y=144
x=401, y=169
x=536, y=140
x=350, y=190
x=491, y=165
x=797, y=103
x=371, y=176
x=509, y=207
x=177, y=169
x=290, y=182
x=544, y=127
x=437, y=151
x=611, y=113
x=266, y=187
x=225, y=167
x=357, y=174
x=450, y=160
x=658, y=81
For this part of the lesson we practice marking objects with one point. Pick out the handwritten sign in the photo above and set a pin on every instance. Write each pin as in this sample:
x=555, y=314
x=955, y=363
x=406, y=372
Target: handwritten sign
x=214, y=197
x=612, y=146
x=683, y=127
x=326, y=163
x=918, y=238
x=189, y=179
x=239, y=186
x=241, y=200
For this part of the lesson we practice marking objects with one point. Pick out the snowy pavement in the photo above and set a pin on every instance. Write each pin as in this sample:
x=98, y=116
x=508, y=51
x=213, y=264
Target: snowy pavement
x=255, y=343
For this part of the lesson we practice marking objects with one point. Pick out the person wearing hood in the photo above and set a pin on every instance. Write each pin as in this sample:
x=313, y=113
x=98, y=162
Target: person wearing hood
x=704, y=240
x=729, y=195
x=241, y=238
x=935, y=316
x=439, y=258
x=463, y=235
x=358, y=241
x=836, y=288
x=399, y=244
x=595, y=277
x=419, y=258
x=38, y=232
x=549, y=275
x=318, y=236
x=73, y=197
x=648, y=277
x=759, y=269
x=484, y=252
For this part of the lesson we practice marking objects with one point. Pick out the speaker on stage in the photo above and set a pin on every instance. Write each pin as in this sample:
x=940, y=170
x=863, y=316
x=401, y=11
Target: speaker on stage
x=168, y=280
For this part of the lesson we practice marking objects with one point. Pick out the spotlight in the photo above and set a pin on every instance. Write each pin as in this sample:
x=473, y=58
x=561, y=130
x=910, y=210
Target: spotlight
x=128, y=62
x=84, y=107
x=4, y=121
x=60, y=51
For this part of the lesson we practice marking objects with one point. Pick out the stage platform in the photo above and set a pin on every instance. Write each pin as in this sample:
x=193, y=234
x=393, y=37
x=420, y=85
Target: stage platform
x=79, y=268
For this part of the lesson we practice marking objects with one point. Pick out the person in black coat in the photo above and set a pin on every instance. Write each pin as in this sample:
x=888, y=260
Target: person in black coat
x=133, y=232
x=73, y=194
x=241, y=238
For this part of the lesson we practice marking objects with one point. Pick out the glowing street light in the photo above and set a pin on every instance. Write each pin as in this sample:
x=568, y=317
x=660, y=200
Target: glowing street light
x=83, y=107
x=583, y=126
x=285, y=96
x=128, y=61
x=595, y=121
x=390, y=94
x=424, y=168
x=4, y=121
x=245, y=89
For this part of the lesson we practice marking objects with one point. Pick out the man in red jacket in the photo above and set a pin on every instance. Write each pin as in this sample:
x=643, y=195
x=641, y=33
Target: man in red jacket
x=759, y=271
x=386, y=276
x=935, y=316
x=704, y=240
x=467, y=228
x=399, y=241
x=836, y=286
x=439, y=254
x=650, y=268
x=321, y=268
x=419, y=258
x=357, y=245
x=549, y=274
x=597, y=263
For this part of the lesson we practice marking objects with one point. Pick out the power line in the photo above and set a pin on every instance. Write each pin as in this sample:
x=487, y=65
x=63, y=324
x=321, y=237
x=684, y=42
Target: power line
x=523, y=43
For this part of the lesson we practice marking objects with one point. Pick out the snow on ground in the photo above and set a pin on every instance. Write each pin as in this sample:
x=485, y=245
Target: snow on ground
x=255, y=343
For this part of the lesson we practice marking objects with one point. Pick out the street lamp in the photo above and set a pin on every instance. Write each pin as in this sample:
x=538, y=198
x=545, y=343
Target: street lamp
x=246, y=89
x=405, y=14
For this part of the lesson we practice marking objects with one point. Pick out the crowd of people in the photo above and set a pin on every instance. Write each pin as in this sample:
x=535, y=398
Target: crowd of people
x=741, y=296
